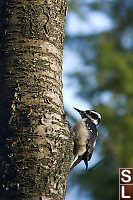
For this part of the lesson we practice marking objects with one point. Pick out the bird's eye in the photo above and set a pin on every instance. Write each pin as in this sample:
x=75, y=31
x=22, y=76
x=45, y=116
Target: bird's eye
x=88, y=112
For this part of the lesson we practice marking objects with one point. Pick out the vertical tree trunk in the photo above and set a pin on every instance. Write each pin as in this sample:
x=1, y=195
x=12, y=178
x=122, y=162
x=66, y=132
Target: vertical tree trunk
x=35, y=143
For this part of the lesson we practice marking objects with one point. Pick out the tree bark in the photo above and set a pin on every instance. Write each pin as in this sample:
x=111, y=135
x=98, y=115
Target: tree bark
x=35, y=138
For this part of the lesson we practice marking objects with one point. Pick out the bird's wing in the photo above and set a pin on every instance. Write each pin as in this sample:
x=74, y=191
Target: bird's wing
x=87, y=156
x=89, y=151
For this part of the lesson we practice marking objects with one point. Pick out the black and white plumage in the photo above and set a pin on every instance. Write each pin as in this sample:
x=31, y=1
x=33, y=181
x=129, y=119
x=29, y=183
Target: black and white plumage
x=84, y=136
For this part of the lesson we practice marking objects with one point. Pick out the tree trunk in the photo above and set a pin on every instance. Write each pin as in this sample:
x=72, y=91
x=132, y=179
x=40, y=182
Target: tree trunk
x=35, y=142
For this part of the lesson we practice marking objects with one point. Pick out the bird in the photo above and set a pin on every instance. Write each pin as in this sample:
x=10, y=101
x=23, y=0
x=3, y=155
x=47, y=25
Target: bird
x=84, y=136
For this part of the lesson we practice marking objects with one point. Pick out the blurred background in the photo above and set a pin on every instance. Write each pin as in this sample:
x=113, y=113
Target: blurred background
x=98, y=74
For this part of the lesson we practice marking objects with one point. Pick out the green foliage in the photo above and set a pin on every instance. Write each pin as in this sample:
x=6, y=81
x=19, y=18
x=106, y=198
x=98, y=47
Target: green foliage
x=106, y=80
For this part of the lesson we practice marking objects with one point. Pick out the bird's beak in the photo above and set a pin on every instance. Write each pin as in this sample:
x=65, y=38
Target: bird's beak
x=80, y=111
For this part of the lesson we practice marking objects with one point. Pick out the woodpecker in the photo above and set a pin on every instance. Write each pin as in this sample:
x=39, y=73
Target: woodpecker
x=84, y=136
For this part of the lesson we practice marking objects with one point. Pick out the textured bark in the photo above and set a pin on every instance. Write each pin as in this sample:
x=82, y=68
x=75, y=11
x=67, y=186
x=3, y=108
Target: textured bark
x=35, y=142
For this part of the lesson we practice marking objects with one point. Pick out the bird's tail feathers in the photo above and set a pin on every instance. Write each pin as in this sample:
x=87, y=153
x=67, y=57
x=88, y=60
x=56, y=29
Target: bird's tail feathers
x=76, y=161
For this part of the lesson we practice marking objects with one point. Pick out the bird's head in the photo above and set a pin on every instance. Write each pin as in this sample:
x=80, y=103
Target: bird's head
x=94, y=116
